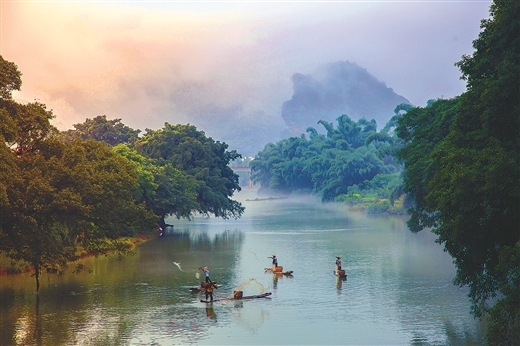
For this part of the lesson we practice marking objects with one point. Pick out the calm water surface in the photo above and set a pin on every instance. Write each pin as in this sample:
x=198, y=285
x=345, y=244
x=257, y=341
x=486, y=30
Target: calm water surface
x=398, y=292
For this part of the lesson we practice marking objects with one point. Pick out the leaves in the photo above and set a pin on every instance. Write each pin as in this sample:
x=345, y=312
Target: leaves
x=192, y=163
x=325, y=165
x=164, y=189
x=100, y=129
x=462, y=172
x=58, y=196
x=10, y=78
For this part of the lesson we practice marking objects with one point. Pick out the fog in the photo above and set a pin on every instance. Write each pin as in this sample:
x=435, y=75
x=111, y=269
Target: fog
x=225, y=67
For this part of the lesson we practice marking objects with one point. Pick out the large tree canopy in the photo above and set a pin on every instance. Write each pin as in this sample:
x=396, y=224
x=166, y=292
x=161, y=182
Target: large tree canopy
x=462, y=168
x=423, y=129
x=59, y=201
x=203, y=160
x=101, y=129
x=165, y=190
x=180, y=171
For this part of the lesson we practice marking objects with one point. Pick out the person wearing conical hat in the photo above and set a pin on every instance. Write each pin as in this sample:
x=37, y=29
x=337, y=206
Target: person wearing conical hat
x=338, y=263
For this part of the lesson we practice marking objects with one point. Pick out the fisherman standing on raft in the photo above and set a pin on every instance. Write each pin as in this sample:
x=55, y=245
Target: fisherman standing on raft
x=209, y=291
x=339, y=272
x=206, y=273
x=275, y=262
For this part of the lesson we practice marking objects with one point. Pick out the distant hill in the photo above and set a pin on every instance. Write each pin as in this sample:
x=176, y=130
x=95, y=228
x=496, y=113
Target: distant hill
x=335, y=89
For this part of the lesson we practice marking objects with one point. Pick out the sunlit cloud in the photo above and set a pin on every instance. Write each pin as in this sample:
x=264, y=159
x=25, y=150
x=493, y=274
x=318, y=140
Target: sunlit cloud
x=149, y=63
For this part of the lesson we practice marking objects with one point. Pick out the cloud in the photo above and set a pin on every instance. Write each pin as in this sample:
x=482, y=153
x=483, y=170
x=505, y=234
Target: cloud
x=149, y=63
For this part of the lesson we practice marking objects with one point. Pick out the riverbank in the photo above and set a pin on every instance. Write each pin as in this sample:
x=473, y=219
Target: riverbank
x=378, y=207
x=369, y=204
x=9, y=266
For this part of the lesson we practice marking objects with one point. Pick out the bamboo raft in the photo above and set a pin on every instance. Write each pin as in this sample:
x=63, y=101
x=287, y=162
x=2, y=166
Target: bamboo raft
x=263, y=295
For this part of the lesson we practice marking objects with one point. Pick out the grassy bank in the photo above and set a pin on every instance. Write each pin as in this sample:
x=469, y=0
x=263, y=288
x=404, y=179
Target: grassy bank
x=373, y=205
x=9, y=266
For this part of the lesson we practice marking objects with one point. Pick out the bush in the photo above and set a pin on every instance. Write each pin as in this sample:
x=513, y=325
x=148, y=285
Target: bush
x=378, y=208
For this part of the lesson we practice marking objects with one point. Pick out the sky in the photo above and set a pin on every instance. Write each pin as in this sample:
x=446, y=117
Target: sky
x=153, y=62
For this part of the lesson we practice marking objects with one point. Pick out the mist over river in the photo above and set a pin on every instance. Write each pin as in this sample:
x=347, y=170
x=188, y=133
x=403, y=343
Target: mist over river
x=399, y=289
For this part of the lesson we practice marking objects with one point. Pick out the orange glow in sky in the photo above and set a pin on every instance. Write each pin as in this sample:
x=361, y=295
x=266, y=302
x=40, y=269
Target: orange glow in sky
x=148, y=63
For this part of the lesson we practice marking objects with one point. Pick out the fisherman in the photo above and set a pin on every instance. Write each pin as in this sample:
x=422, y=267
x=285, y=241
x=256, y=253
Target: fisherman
x=338, y=263
x=209, y=291
x=275, y=261
x=206, y=273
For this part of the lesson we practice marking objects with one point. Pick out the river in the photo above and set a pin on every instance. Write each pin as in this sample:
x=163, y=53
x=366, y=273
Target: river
x=399, y=288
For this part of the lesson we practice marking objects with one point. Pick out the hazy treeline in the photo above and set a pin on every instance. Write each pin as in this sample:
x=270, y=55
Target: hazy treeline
x=86, y=188
x=348, y=162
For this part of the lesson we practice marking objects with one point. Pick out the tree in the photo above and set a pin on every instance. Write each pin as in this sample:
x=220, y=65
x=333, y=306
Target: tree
x=164, y=189
x=23, y=125
x=201, y=159
x=10, y=78
x=471, y=196
x=423, y=129
x=101, y=129
x=66, y=196
x=324, y=165
x=56, y=197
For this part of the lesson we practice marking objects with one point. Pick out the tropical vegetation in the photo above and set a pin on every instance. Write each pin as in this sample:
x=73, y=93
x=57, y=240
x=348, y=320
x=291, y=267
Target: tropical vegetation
x=84, y=190
x=455, y=160
x=462, y=172
x=351, y=163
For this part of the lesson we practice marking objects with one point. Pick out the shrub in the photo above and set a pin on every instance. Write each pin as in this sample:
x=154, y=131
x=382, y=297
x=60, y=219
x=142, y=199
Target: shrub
x=378, y=208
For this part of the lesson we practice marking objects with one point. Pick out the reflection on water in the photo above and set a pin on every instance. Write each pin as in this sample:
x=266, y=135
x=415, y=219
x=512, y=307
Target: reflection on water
x=398, y=290
x=339, y=283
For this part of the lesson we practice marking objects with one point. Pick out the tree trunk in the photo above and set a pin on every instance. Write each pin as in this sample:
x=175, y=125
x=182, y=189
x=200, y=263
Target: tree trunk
x=162, y=223
x=37, y=275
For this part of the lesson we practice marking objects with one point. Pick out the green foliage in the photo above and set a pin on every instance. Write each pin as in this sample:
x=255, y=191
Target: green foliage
x=58, y=196
x=381, y=195
x=378, y=208
x=351, y=154
x=101, y=129
x=24, y=126
x=462, y=172
x=164, y=189
x=204, y=166
x=352, y=197
x=10, y=78
x=59, y=201
x=423, y=129
x=180, y=171
x=504, y=324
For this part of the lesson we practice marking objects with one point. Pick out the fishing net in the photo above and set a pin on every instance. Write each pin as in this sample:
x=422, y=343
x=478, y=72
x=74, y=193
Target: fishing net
x=246, y=283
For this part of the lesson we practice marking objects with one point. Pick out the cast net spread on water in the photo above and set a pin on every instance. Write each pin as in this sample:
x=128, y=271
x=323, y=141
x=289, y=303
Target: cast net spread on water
x=246, y=283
